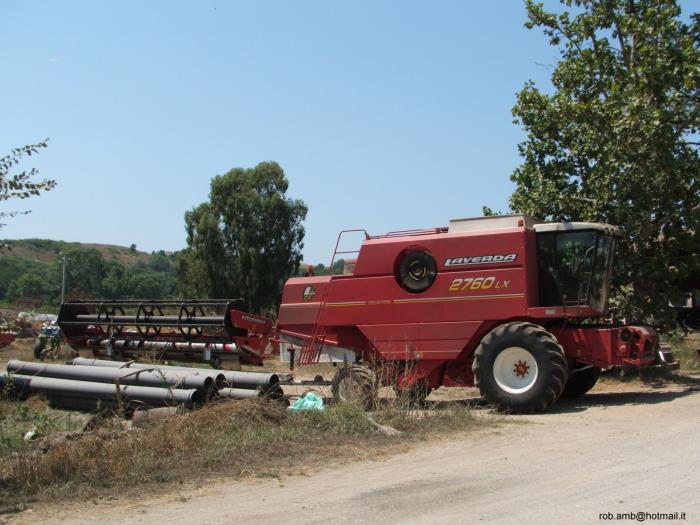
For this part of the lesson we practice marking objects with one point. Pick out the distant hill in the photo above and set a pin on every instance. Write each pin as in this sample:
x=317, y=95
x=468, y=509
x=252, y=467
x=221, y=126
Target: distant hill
x=30, y=272
x=46, y=250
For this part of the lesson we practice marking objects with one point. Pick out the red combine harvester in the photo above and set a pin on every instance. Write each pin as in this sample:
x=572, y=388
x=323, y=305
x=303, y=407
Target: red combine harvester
x=505, y=303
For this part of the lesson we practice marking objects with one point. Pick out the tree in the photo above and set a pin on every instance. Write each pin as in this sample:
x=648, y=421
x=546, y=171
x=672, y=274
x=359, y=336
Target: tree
x=114, y=283
x=322, y=269
x=150, y=285
x=29, y=284
x=85, y=271
x=159, y=262
x=246, y=240
x=21, y=185
x=616, y=141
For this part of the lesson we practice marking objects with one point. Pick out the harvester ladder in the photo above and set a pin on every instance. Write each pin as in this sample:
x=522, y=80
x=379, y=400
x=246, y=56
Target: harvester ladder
x=312, y=348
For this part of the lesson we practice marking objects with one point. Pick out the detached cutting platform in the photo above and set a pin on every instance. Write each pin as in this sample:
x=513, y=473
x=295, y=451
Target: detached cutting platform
x=218, y=332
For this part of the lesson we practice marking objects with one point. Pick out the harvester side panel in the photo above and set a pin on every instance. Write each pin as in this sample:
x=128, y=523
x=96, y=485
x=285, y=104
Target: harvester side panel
x=300, y=301
x=463, y=295
x=466, y=295
x=420, y=340
x=379, y=256
x=481, y=279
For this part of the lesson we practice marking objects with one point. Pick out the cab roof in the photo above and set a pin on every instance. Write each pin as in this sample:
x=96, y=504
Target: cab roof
x=577, y=226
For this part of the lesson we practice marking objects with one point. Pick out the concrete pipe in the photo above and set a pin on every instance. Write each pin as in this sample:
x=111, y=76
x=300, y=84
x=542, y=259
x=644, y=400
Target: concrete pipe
x=239, y=393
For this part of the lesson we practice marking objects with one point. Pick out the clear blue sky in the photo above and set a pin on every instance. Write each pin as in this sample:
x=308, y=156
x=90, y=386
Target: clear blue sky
x=384, y=115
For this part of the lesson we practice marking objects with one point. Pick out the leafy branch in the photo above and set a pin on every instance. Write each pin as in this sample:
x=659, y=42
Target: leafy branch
x=21, y=185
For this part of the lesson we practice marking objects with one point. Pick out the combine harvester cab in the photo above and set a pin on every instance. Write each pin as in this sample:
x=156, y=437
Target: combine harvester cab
x=219, y=332
x=505, y=303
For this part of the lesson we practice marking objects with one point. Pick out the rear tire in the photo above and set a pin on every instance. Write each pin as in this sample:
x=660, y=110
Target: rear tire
x=581, y=382
x=355, y=384
x=520, y=367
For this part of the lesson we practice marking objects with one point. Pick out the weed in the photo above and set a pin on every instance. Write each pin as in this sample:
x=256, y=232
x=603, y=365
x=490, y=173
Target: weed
x=16, y=419
x=686, y=352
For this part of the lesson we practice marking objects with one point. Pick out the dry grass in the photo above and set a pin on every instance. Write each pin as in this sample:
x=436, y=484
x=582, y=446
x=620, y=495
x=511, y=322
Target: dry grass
x=686, y=351
x=229, y=438
x=242, y=438
x=19, y=349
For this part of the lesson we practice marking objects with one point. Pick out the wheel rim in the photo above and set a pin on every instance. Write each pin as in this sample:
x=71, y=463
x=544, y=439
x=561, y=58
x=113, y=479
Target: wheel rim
x=515, y=370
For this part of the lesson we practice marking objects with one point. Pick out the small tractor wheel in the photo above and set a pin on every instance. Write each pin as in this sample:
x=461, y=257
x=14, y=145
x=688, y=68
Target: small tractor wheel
x=581, y=382
x=38, y=349
x=520, y=367
x=355, y=384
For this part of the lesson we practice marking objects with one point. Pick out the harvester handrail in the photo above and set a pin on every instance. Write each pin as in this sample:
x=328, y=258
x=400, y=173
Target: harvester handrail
x=407, y=233
x=336, y=252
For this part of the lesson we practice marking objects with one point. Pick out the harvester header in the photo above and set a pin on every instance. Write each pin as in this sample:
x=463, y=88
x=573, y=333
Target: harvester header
x=219, y=331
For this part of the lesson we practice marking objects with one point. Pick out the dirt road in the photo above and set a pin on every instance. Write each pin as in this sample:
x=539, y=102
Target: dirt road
x=607, y=452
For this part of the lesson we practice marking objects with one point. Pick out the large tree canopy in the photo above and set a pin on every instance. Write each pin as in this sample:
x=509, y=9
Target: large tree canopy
x=617, y=140
x=246, y=240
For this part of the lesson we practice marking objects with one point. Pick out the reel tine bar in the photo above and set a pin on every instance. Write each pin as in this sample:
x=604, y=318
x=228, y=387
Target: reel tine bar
x=188, y=320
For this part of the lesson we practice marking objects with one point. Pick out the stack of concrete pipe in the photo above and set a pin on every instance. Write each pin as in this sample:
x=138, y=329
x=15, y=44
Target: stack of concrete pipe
x=87, y=387
x=237, y=385
x=88, y=384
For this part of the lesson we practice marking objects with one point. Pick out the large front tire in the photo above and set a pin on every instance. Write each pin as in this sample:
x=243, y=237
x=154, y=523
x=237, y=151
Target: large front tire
x=520, y=367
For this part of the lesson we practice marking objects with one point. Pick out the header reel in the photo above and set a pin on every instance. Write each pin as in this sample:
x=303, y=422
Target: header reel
x=211, y=330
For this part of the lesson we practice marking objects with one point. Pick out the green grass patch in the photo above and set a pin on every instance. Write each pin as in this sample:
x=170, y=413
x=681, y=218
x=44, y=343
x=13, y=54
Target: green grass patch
x=16, y=419
x=685, y=351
